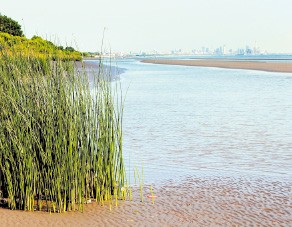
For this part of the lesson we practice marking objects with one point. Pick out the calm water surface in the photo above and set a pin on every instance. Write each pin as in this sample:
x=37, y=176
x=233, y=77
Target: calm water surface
x=191, y=121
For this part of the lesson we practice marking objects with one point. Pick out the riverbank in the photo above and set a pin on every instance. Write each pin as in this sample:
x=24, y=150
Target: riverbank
x=228, y=64
x=204, y=201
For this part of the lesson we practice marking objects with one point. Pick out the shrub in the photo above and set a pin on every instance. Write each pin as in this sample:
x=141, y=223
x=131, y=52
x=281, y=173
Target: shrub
x=35, y=47
x=10, y=26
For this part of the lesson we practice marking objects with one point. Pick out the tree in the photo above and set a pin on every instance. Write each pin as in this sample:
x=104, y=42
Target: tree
x=70, y=49
x=10, y=26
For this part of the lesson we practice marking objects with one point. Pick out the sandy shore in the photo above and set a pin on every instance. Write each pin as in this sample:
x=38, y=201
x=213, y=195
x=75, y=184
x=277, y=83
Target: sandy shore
x=192, y=202
x=251, y=65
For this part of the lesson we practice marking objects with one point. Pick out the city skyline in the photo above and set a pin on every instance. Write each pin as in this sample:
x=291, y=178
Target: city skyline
x=222, y=50
x=157, y=25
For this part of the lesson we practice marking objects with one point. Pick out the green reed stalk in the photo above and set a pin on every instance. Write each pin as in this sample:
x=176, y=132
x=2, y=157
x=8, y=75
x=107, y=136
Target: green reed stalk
x=60, y=143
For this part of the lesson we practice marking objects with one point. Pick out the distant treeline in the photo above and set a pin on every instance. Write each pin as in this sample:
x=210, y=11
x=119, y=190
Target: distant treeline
x=14, y=43
x=91, y=54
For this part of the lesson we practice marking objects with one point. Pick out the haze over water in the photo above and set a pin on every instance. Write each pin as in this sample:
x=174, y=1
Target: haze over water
x=191, y=121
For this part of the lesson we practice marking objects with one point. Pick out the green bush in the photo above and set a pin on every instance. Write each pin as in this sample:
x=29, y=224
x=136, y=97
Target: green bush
x=35, y=47
x=10, y=26
x=70, y=49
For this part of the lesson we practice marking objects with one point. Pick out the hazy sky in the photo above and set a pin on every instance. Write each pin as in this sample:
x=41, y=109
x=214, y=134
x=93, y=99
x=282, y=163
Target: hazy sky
x=134, y=25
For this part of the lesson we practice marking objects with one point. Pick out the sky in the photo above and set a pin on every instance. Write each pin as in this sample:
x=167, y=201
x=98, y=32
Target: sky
x=156, y=25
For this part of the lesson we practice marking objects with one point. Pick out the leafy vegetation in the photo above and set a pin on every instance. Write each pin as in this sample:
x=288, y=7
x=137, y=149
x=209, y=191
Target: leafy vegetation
x=10, y=26
x=36, y=47
x=90, y=54
x=13, y=42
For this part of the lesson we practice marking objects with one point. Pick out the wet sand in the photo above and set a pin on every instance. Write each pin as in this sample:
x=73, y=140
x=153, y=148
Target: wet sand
x=203, y=201
x=229, y=64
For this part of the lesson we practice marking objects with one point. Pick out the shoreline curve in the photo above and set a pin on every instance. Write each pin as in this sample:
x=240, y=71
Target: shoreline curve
x=228, y=64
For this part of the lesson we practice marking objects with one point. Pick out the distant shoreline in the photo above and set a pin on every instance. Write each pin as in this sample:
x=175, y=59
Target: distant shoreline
x=228, y=64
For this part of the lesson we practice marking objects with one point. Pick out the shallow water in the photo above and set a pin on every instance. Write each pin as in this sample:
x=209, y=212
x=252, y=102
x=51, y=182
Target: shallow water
x=190, y=121
x=215, y=145
x=203, y=201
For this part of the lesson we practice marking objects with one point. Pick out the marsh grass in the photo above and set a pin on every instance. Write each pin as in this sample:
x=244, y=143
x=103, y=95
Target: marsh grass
x=139, y=179
x=60, y=143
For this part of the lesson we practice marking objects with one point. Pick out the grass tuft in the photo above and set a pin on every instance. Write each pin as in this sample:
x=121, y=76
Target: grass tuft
x=60, y=143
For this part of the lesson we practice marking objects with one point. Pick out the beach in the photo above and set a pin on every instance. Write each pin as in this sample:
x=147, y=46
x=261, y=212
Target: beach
x=203, y=201
x=228, y=64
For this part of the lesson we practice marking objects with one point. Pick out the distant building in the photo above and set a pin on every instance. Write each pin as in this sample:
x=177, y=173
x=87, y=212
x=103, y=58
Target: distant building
x=240, y=52
x=248, y=50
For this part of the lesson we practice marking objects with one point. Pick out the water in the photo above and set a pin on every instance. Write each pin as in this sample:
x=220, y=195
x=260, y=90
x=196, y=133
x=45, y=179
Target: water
x=191, y=121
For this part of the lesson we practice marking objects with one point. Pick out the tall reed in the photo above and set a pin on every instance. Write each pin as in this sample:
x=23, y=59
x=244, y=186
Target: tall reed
x=60, y=143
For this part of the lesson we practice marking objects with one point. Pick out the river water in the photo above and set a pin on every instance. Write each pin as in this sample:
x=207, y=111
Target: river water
x=215, y=144
x=182, y=121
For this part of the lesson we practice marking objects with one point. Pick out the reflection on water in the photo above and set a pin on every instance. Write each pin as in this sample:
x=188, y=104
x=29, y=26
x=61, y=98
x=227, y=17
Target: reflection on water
x=190, y=121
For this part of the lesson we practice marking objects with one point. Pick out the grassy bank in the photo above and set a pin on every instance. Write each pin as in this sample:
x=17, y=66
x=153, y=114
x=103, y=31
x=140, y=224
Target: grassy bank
x=36, y=47
x=60, y=145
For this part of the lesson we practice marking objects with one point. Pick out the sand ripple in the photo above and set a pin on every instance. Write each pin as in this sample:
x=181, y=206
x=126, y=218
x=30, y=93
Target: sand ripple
x=207, y=201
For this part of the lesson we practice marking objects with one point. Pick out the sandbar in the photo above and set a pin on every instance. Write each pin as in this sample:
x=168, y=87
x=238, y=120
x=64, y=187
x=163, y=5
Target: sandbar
x=284, y=67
